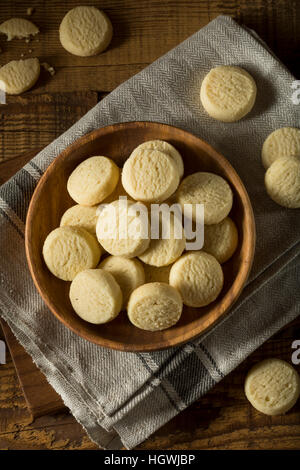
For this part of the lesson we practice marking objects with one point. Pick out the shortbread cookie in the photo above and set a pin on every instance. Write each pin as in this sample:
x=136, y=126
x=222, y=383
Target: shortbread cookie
x=129, y=273
x=272, y=386
x=18, y=28
x=164, y=147
x=85, y=31
x=198, y=277
x=154, y=274
x=166, y=249
x=208, y=189
x=93, y=180
x=282, y=181
x=96, y=296
x=69, y=250
x=122, y=230
x=18, y=76
x=284, y=142
x=150, y=176
x=228, y=93
x=221, y=240
x=154, y=306
x=81, y=216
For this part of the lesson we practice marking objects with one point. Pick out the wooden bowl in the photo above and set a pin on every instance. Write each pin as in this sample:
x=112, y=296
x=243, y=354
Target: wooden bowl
x=51, y=199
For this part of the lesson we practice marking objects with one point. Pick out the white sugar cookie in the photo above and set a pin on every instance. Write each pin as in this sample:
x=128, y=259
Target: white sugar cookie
x=154, y=306
x=85, y=31
x=18, y=76
x=93, y=180
x=166, y=249
x=198, y=277
x=18, y=28
x=121, y=230
x=208, y=189
x=272, y=386
x=96, y=296
x=284, y=142
x=129, y=273
x=282, y=182
x=164, y=147
x=155, y=274
x=150, y=176
x=69, y=250
x=81, y=216
x=228, y=93
x=221, y=240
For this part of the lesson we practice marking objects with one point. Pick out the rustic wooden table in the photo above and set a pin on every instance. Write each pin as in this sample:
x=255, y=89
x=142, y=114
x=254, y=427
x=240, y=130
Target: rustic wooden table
x=144, y=30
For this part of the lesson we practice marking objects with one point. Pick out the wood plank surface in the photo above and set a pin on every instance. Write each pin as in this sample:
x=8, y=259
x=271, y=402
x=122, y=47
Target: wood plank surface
x=143, y=31
x=40, y=397
x=32, y=121
x=222, y=419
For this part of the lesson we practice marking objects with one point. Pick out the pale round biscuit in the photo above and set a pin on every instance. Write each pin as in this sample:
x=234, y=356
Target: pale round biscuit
x=81, y=216
x=96, y=296
x=164, y=147
x=198, y=277
x=272, y=386
x=155, y=274
x=121, y=230
x=154, y=306
x=69, y=250
x=85, y=31
x=208, y=189
x=221, y=240
x=129, y=274
x=18, y=76
x=150, y=176
x=18, y=28
x=282, y=182
x=166, y=249
x=228, y=93
x=93, y=180
x=284, y=142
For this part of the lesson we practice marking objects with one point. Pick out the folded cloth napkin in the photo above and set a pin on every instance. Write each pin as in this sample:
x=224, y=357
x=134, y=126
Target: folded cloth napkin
x=122, y=398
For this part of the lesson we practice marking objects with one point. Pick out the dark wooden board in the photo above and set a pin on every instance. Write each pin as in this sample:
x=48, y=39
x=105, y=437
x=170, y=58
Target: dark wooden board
x=44, y=213
x=40, y=397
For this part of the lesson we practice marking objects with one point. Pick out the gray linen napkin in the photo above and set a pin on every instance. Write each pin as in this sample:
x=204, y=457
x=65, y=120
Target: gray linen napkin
x=122, y=398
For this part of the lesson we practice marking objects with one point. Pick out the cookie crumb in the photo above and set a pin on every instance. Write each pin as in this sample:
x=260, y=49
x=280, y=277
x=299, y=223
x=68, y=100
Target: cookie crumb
x=18, y=28
x=48, y=68
x=30, y=10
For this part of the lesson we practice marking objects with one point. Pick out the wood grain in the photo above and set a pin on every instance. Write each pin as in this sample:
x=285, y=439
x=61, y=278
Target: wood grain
x=44, y=214
x=31, y=121
x=144, y=30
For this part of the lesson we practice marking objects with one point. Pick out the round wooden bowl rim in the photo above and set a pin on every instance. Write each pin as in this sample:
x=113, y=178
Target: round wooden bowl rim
x=242, y=274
